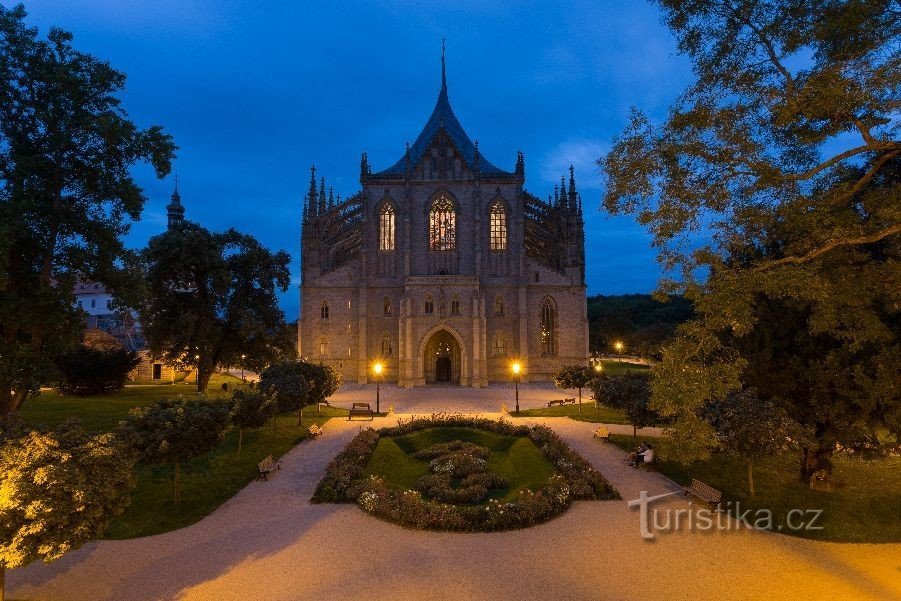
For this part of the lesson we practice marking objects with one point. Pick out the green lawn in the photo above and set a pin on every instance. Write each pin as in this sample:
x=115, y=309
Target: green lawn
x=516, y=458
x=210, y=480
x=864, y=508
x=207, y=481
x=102, y=413
x=590, y=412
x=618, y=368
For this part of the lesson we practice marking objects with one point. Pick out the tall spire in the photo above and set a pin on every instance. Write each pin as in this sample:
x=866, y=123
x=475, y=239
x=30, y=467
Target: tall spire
x=312, y=205
x=443, y=69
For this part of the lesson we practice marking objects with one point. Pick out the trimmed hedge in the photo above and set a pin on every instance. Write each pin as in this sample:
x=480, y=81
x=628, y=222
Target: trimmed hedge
x=578, y=480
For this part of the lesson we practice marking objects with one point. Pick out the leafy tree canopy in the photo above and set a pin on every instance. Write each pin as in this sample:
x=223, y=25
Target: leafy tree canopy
x=90, y=371
x=776, y=176
x=58, y=490
x=210, y=298
x=642, y=322
x=66, y=193
x=174, y=431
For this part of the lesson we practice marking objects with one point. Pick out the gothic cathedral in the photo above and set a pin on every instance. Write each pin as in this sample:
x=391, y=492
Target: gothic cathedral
x=443, y=268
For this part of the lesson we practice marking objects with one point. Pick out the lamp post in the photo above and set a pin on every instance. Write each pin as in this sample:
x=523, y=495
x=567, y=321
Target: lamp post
x=619, y=346
x=242, y=366
x=516, y=367
x=377, y=369
x=598, y=370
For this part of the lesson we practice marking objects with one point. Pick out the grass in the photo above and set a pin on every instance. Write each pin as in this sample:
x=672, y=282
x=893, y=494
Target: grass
x=516, y=458
x=210, y=480
x=619, y=368
x=102, y=413
x=864, y=507
x=207, y=481
x=591, y=412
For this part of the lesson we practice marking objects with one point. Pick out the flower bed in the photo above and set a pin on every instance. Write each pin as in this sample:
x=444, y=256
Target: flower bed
x=444, y=507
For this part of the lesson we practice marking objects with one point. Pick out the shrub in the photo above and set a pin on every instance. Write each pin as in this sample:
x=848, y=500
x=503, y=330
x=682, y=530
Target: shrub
x=175, y=431
x=249, y=409
x=58, y=489
x=95, y=371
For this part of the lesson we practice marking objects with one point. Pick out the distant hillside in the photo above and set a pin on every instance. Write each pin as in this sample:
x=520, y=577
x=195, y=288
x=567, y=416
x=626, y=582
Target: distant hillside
x=637, y=320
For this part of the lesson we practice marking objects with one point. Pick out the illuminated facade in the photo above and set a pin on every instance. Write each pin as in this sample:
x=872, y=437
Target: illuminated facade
x=443, y=268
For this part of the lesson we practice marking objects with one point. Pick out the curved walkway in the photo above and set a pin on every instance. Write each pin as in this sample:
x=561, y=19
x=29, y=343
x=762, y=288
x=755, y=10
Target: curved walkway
x=269, y=543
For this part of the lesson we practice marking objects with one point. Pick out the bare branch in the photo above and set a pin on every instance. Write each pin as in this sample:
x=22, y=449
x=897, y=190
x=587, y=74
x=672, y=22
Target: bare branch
x=875, y=237
x=866, y=177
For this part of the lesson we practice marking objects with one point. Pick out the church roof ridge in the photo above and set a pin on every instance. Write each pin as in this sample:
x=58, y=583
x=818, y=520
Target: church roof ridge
x=443, y=117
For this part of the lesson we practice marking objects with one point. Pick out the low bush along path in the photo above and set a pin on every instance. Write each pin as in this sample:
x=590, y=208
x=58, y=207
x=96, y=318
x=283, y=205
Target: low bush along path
x=268, y=542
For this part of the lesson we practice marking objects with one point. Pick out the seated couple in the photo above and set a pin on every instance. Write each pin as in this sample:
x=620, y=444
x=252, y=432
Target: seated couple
x=644, y=454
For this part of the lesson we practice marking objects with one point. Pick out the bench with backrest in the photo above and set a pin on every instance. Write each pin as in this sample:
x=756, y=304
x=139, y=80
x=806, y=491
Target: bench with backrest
x=705, y=492
x=561, y=402
x=360, y=410
x=266, y=466
x=603, y=433
x=315, y=431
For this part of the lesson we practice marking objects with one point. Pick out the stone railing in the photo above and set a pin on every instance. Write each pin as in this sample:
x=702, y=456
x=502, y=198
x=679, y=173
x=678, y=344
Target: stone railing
x=442, y=280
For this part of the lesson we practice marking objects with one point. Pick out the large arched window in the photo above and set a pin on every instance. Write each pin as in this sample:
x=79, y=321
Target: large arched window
x=387, y=347
x=497, y=227
x=442, y=224
x=429, y=305
x=499, y=305
x=323, y=310
x=386, y=228
x=548, y=327
x=500, y=345
x=323, y=347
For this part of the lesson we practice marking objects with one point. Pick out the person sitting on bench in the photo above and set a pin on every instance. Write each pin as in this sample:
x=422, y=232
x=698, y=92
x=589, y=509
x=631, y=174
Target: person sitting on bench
x=647, y=457
x=634, y=454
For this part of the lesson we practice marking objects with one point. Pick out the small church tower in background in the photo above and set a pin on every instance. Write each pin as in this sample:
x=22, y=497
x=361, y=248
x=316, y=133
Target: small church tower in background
x=175, y=210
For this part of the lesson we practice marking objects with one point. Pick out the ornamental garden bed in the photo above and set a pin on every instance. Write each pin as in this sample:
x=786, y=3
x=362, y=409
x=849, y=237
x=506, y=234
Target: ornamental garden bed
x=461, y=473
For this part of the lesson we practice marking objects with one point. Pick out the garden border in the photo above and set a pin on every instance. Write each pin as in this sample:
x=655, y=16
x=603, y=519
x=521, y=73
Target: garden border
x=343, y=481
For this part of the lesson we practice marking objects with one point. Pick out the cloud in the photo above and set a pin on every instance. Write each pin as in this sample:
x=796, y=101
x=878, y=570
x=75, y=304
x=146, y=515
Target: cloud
x=581, y=154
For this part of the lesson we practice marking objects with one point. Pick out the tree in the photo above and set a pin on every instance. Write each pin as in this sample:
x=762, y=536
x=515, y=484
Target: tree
x=751, y=428
x=574, y=376
x=785, y=152
x=58, y=490
x=287, y=384
x=94, y=371
x=66, y=193
x=250, y=409
x=630, y=392
x=210, y=298
x=175, y=432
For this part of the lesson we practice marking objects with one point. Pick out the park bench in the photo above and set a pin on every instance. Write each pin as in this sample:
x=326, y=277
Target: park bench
x=360, y=410
x=266, y=466
x=705, y=492
x=603, y=433
x=315, y=431
x=321, y=403
x=561, y=402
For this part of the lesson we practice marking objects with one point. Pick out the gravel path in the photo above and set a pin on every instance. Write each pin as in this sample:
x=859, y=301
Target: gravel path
x=269, y=543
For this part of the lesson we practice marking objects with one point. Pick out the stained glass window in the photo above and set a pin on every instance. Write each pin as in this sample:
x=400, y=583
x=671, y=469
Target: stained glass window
x=497, y=227
x=386, y=228
x=548, y=327
x=442, y=225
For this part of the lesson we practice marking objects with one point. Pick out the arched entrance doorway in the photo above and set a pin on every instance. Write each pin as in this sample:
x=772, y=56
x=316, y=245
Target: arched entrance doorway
x=441, y=359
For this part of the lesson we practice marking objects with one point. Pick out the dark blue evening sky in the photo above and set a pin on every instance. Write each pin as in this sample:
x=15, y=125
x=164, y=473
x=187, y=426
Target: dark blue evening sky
x=256, y=92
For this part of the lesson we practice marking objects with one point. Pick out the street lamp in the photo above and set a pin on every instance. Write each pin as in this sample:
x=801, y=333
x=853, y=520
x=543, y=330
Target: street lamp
x=377, y=369
x=242, y=366
x=516, y=367
x=619, y=346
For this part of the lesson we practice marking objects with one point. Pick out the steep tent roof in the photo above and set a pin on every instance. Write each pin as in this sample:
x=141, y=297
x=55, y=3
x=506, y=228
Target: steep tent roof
x=443, y=117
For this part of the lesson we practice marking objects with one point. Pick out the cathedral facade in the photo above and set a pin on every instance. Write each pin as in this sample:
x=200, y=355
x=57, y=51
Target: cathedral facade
x=443, y=268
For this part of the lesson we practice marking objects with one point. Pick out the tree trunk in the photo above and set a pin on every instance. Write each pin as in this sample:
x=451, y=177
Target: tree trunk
x=634, y=431
x=274, y=429
x=580, y=400
x=300, y=416
x=2, y=582
x=240, y=441
x=177, y=482
x=751, y=477
x=203, y=379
